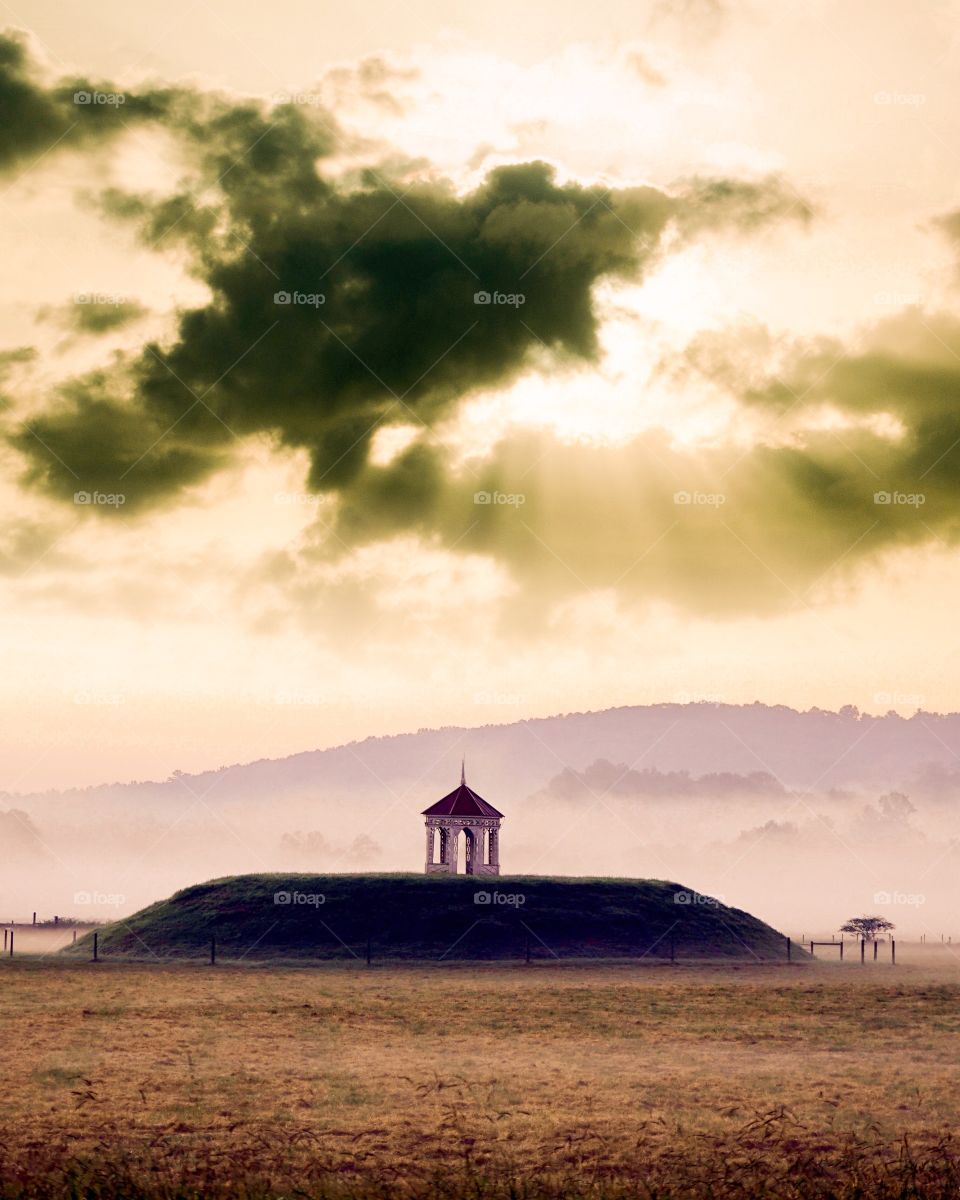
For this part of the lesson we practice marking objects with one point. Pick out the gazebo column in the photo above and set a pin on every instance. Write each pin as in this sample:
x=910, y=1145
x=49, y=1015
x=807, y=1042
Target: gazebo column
x=450, y=838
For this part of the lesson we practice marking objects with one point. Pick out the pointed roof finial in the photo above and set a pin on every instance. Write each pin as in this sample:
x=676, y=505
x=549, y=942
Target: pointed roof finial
x=463, y=771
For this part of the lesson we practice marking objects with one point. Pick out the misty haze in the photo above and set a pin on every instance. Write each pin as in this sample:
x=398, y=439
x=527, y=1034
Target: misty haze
x=795, y=815
x=479, y=709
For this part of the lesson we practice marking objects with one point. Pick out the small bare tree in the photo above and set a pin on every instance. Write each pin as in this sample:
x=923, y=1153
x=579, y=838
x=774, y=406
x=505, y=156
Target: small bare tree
x=867, y=928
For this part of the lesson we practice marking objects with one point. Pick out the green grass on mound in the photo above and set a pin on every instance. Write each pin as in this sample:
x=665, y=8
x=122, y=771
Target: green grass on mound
x=434, y=917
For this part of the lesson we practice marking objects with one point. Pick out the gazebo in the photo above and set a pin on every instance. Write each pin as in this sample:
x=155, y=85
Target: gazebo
x=463, y=811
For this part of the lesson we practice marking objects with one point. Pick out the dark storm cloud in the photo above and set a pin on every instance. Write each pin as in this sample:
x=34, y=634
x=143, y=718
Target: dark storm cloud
x=17, y=357
x=98, y=411
x=907, y=367
x=24, y=543
x=94, y=314
x=949, y=224
x=32, y=119
x=859, y=449
x=75, y=113
x=738, y=204
x=374, y=80
x=334, y=312
x=10, y=360
x=337, y=308
x=723, y=530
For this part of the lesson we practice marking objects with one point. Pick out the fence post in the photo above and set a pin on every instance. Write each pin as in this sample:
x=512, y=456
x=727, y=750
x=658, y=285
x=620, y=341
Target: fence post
x=788, y=950
x=11, y=943
x=893, y=952
x=874, y=949
x=96, y=947
x=863, y=950
x=673, y=949
x=4, y=938
x=841, y=949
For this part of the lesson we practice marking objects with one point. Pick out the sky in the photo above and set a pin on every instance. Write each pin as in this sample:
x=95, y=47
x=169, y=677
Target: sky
x=372, y=368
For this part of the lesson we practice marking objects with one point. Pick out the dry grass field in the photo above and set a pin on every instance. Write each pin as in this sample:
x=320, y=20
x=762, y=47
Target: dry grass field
x=123, y=1079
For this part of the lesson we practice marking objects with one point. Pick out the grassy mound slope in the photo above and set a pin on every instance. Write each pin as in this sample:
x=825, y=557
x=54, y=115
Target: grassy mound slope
x=433, y=917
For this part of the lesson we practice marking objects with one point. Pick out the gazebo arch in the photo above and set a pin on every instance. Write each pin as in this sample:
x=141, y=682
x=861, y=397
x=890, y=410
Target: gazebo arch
x=463, y=811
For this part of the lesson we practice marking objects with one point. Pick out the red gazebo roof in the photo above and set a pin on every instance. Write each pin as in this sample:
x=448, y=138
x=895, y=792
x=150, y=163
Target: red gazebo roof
x=462, y=802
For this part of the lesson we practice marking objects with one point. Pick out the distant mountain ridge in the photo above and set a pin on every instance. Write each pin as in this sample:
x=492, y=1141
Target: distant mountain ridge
x=782, y=812
x=801, y=750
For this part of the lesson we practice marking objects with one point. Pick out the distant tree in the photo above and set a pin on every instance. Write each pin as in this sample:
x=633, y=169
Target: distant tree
x=887, y=820
x=312, y=846
x=895, y=806
x=363, y=849
x=867, y=928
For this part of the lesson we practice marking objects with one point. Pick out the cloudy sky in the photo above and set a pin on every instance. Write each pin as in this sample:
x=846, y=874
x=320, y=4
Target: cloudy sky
x=373, y=368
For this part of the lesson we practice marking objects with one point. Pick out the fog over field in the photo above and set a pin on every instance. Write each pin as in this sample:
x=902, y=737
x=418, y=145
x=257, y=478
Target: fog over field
x=337, y=403
x=800, y=818
x=479, y=559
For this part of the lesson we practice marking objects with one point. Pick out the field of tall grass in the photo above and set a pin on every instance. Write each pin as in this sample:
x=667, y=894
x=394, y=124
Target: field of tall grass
x=160, y=1080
